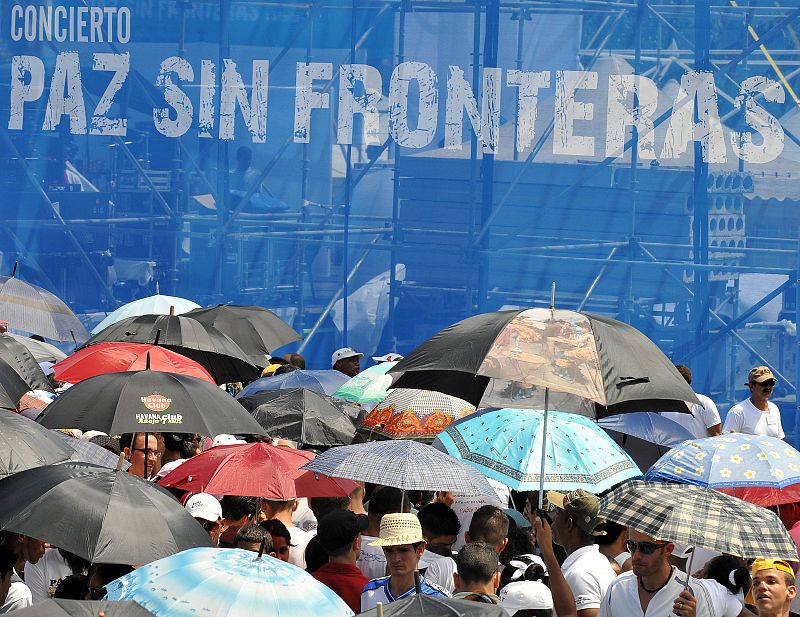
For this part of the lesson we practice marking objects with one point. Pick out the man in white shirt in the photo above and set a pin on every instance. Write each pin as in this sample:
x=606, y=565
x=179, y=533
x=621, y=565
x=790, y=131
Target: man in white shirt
x=704, y=421
x=43, y=577
x=587, y=571
x=654, y=587
x=756, y=415
x=13, y=592
x=282, y=510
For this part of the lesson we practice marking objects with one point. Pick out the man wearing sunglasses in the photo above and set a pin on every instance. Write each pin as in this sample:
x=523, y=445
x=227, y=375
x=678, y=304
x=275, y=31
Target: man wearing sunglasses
x=756, y=415
x=655, y=588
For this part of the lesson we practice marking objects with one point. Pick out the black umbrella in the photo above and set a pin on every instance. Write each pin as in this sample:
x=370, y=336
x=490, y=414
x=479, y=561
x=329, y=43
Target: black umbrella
x=12, y=386
x=255, y=329
x=103, y=515
x=20, y=358
x=223, y=358
x=149, y=401
x=25, y=444
x=513, y=355
x=83, y=608
x=420, y=605
x=304, y=416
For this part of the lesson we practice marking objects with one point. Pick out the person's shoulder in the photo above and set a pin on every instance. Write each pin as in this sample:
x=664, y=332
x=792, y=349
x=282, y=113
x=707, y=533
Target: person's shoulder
x=375, y=583
x=624, y=579
x=433, y=587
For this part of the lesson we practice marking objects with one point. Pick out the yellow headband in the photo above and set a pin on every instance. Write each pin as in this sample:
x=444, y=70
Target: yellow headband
x=769, y=564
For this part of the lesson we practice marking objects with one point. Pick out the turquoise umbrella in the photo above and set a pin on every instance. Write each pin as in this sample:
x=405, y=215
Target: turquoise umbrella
x=226, y=582
x=506, y=445
x=369, y=386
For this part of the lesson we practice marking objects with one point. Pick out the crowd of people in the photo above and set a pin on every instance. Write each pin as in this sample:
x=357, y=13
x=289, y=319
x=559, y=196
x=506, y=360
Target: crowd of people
x=381, y=544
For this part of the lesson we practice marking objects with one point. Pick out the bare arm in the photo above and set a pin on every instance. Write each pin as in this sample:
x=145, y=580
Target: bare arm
x=563, y=600
x=715, y=430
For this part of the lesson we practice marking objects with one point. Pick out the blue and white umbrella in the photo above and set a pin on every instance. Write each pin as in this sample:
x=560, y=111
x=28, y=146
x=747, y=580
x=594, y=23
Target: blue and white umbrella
x=324, y=382
x=220, y=582
x=151, y=305
x=506, y=445
x=648, y=426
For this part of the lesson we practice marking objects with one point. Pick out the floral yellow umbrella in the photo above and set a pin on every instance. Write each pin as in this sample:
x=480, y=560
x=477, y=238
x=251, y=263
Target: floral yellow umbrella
x=409, y=413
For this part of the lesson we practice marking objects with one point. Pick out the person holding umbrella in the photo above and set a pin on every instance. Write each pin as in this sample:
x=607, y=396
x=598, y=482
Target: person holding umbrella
x=403, y=544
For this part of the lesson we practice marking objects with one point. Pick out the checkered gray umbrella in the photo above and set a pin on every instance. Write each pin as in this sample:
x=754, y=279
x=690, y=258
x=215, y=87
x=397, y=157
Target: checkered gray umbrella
x=403, y=464
x=698, y=516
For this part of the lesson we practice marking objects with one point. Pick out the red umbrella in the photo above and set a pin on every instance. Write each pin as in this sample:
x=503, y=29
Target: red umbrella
x=313, y=484
x=765, y=496
x=253, y=469
x=118, y=357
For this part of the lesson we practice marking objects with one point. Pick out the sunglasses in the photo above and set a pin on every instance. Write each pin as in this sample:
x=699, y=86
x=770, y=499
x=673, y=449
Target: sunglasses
x=645, y=548
x=770, y=383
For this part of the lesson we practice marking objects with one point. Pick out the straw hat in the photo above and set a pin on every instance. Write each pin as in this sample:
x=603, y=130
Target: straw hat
x=397, y=529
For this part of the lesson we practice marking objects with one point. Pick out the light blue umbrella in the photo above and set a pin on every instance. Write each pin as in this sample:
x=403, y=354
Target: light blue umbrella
x=369, y=386
x=222, y=582
x=506, y=445
x=648, y=426
x=151, y=305
x=323, y=382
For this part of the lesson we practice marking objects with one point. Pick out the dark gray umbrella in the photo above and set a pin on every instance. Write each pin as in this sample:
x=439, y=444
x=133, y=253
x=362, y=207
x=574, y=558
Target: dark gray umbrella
x=103, y=515
x=149, y=401
x=35, y=310
x=41, y=351
x=218, y=353
x=420, y=605
x=83, y=608
x=255, y=329
x=304, y=416
x=19, y=357
x=25, y=444
x=12, y=386
x=514, y=354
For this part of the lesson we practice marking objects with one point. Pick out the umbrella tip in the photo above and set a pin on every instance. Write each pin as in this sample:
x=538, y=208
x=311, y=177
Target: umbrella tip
x=147, y=362
x=261, y=548
x=158, y=289
x=172, y=311
x=14, y=271
x=121, y=461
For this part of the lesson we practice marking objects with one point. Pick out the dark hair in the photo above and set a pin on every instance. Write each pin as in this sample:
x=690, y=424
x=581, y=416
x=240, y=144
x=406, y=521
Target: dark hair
x=438, y=519
x=107, y=572
x=533, y=572
x=322, y=506
x=277, y=360
x=519, y=543
x=72, y=587
x=296, y=359
x=285, y=368
x=126, y=439
x=685, y=372
x=477, y=562
x=76, y=563
x=729, y=573
x=534, y=612
x=7, y=560
x=109, y=443
x=235, y=507
x=185, y=444
x=613, y=531
x=315, y=555
x=277, y=528
x=386, y=500
x=254, y=534
x=489, y=524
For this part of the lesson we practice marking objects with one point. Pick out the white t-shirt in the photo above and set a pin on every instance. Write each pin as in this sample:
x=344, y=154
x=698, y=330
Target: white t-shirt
x=297, y=553
x=19, y=596
x=747, y=418
x=622, y=598
x=698, y=422
x=303, y=517
x=440, y=571
x=588, y=574
x=43, y=577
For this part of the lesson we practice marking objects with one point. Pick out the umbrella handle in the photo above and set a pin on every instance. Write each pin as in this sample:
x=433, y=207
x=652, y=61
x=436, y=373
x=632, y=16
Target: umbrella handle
x=379, y=609
x=544, y=441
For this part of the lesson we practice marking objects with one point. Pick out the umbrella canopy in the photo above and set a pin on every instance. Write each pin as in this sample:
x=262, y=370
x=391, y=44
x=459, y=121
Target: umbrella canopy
x=225, y=582
x=369, y=386
x=648, y=426
x=324, y=382
x=118, y=357
x=13, y=385
x=506, y=444
x=151, y=305
x=312, y=484
x=221, y=357
x=403, y=464
x=733, y=461
x=243, y=469
x=82, y=608
x=697, y=516
x=420, y=605
x=91, y=453
x=42, y=352
x=255, y=329
x=25, y=445
x=304, y=416
x=103, y=515
x=19, y=357
x=149, y=401
x=589, y=356
x=35, y=310
x=414, y=414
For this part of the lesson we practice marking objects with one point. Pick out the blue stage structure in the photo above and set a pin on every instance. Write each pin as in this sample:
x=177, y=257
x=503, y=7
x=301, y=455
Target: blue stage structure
x=427, y=159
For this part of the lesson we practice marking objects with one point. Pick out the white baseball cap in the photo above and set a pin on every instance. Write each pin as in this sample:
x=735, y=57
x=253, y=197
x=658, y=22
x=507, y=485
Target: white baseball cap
x=525, y=595
x=344, y=352
x=204, y=506
x=223, y=439
x=389, y=357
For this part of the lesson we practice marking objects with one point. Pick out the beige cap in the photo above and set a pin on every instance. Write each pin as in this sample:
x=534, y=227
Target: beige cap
x=398, y=529
x=760, y=374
